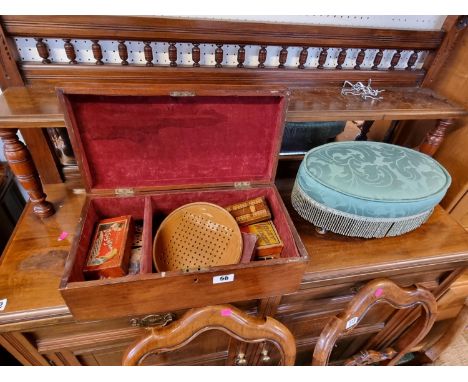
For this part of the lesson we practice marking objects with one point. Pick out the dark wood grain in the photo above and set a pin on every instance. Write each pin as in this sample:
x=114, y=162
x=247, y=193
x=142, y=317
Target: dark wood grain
x=219, y=55
x=262, y=55
x=341, y=59
x=148, y=50
x=395, y=59
x=97, y=52
x=360, y=59
x=303, y=57
x=70, y=51
x=42, y=50
x=196, y=55
x=283, y=56
x=322, y=58
x=377, y=59
x=172, y=50
x=123, y=54
x=412, y=60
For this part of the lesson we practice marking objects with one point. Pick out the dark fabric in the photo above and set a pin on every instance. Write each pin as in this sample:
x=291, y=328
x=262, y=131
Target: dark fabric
x=300, y=137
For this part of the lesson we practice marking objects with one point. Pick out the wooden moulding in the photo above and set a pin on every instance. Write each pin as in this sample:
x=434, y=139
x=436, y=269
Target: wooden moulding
x=57, y=74
x=215, y=31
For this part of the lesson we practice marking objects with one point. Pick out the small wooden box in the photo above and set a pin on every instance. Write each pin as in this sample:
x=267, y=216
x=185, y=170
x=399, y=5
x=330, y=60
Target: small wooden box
x=250, y=212
x=110, y=249
x=269, y=244
x=145, y=152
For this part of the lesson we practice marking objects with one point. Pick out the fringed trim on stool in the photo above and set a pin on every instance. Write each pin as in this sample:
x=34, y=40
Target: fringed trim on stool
x=352, y=225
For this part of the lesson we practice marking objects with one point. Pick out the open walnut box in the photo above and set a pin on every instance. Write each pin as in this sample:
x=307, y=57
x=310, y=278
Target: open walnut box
x=145, y=153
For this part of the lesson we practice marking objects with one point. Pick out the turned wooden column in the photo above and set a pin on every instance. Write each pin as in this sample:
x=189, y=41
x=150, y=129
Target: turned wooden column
x=21, y=164
x=435, y=137
x=365, y=128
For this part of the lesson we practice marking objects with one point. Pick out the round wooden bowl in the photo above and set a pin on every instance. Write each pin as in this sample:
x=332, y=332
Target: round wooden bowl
x=196, y=236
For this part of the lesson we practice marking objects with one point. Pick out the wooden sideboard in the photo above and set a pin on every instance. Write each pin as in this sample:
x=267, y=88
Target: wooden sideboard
x=37, y=327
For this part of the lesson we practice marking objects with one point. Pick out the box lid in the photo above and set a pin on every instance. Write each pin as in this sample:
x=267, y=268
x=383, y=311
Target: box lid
x=144, y=140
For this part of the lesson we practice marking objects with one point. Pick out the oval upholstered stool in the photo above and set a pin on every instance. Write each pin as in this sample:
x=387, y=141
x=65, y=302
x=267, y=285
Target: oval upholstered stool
x=368, y=189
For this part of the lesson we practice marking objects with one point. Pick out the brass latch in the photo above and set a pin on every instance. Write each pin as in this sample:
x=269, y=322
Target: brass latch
x=182, y=94
x=124, y=192
x=241, y=184
x=153, y=320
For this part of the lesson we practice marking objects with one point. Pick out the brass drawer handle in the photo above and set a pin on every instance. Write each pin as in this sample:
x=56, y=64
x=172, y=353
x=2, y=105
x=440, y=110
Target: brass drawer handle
x=153, y=320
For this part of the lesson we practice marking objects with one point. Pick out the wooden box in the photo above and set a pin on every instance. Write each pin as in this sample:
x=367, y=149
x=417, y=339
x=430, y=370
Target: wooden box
x=147, y=152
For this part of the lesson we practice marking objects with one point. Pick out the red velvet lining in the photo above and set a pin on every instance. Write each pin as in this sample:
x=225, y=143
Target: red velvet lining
x=161, y=204
x=132, y=141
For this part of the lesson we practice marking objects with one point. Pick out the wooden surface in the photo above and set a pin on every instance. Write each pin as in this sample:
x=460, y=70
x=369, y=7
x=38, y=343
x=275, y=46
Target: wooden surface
x=226, y=318
x=32, y=264
x=39, y=108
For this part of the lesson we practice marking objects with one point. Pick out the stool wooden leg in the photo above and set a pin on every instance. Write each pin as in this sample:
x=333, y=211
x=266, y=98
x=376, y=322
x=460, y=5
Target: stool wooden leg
x=366, y=126
x=435, y=137
x=21, y=164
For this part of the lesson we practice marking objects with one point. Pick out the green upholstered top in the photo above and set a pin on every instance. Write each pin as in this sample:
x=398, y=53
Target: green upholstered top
x=357, y=177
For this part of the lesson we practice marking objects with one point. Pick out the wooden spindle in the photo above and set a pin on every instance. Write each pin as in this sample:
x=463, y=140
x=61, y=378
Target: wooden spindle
x=341, y=59
x=196, y=55
x=360, y=59
x=395, y=59
x=172, y=55
x=241, y=56
x=70, y=51
x=283, y=56
x=262, y=55
x=435, y=137
x=365, y=128
x=97, y=52
x=303, y=57
x=43, y=51
x=377, y=59
x=322, y=58
x=219, y=54
x=19, y=159
x=412, y=60
x=148, y=50
x=123, y=52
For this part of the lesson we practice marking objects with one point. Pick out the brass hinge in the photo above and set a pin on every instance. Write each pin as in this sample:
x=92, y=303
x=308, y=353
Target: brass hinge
x=241, y=184
x=182, y=94
x=124, y=191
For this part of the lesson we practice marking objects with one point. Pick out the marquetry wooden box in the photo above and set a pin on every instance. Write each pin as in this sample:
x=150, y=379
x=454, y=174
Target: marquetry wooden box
x=144, y=153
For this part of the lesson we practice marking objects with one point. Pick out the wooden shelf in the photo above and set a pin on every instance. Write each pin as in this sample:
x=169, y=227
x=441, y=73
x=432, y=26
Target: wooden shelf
x=327, y=104
x=38, y=107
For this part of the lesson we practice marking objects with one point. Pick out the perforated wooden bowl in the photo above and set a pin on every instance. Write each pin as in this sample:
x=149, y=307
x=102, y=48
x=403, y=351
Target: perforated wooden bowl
x=196, y=236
